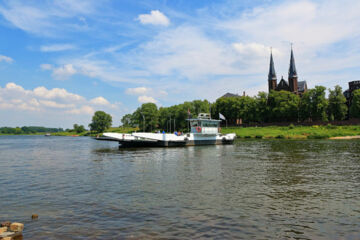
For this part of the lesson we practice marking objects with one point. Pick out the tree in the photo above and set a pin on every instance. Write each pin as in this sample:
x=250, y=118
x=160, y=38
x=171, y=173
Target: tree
x=100, y=122
x=337, y=104
x=283, y=106
x=79, y=128
x=147, y=114
x=127, y=120
x=355, y=104
x=313, y=105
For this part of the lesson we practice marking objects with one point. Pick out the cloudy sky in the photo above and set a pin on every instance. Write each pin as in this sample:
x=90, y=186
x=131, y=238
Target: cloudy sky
x=62, y=60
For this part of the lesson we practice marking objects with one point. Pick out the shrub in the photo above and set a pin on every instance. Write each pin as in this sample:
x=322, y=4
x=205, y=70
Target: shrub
x=291, y=126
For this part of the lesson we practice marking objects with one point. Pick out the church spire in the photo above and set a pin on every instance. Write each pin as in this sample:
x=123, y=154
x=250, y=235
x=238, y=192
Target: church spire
x=292, y=68
x=272, y=73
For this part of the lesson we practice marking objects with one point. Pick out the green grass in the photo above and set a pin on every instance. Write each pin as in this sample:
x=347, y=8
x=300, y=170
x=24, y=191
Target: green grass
x=294, y=132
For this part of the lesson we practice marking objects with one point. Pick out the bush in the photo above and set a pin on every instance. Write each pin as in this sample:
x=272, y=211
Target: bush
x=259, y=136
x=280, y=137
x=291, y=126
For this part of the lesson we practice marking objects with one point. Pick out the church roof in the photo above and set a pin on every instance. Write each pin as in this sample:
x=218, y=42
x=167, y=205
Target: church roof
x=302, y=86
x=292, y=68
x=227, y=95
x=272, y=73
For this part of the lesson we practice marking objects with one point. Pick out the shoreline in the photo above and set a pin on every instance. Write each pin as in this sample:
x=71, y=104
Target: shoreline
x=345, y=137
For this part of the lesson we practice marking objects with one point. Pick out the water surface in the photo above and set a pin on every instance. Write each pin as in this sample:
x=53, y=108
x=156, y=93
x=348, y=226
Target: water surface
x=263, y=189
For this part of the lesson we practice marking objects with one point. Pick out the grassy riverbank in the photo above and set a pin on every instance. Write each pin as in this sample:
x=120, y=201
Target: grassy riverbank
x=294, y=132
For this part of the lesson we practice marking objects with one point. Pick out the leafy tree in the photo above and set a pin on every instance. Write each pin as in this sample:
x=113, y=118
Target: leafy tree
x=262, y=109
x=100, y=122
x=79, y=128
x=313, y=105
x=283, y=106
x=337, y=104
x=127, y=120
x=355, y=104
x=147, y=114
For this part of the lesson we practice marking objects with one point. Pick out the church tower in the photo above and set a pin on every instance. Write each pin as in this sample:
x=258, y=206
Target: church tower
x=293, y=78
x=272, y=75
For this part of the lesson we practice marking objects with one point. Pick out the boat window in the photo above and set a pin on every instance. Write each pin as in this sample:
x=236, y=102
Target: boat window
x=210, y=124
x=194, y=123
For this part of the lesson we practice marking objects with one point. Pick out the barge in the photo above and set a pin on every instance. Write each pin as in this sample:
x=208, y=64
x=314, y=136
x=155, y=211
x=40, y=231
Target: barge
x=204, y=131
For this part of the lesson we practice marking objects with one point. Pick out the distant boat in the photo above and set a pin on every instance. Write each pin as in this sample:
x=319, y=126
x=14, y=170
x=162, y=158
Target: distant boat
x=204, y=131
x=47, y=135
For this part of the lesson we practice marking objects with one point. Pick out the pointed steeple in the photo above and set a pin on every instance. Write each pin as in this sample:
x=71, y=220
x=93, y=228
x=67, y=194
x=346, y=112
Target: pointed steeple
x=292, y=68
x=272, y=73
x=272, y=81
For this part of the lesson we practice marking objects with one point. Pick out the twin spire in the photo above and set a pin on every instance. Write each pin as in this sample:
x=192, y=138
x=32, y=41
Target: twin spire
x=292, y=68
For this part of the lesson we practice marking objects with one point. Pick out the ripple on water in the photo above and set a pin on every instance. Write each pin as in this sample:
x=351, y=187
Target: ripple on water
x=264, y=189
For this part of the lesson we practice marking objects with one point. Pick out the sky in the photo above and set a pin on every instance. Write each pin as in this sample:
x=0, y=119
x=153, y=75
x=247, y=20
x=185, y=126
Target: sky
x=62, y=60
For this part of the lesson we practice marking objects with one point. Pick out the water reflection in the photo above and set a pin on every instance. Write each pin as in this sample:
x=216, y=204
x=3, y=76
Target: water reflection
x=264, y=189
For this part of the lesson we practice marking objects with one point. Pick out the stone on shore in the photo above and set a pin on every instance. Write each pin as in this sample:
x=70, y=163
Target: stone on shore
x=16, y=227
x=3, y=229
x=5, y=224
x=34, y=216
x=7, y=238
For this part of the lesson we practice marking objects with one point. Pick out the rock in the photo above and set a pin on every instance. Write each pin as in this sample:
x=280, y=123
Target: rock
x=7, y=238
x=16, y=227
x=3, y=229
x=5, y=224
x=34, y=216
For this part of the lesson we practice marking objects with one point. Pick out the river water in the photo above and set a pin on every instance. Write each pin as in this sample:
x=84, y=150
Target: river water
x=254, y=189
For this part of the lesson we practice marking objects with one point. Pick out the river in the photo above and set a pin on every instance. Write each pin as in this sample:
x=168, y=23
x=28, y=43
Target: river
x=254, y=189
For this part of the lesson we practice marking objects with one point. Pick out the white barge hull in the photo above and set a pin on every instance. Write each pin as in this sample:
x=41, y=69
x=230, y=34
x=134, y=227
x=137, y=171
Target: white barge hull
x=168, y=140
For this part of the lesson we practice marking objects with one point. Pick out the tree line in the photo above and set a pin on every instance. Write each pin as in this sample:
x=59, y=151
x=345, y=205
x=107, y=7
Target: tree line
x=276, y=106
x=29, y=130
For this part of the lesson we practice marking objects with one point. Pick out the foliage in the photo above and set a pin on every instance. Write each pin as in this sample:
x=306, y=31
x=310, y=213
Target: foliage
x=28, y=130
x=337, y=104
x=355, y=104
x=100, y=122
x=313, y=105
x=284, y=106
x=127, y=121
x=146, y=116
x=79, y=128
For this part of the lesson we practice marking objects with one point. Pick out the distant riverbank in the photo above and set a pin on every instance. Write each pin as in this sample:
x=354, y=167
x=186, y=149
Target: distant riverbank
x=270, y=132
x=294, y=132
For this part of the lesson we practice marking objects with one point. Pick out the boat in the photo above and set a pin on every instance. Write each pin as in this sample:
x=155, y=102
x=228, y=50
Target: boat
x=203, y=131
x=47, y=134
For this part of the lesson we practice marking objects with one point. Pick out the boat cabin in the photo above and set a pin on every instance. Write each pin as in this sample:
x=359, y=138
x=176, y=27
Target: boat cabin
x=204, y=124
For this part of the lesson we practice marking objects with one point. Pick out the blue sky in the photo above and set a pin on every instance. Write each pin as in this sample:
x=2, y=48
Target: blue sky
x=62, y=60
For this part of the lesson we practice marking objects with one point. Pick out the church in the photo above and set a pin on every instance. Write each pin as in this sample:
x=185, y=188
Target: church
x=292, y=85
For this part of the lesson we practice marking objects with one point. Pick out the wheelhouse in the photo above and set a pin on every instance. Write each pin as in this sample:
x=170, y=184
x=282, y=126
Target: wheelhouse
x=203, y=124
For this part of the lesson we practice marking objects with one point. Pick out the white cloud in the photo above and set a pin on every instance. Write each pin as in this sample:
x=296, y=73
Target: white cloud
x=64, y=72
x=82, y=110
x=48, y=18
x=15, y=97
x=155, y=17
x=57, y=93
x=46, y=66
x=146, y=99
x=137, y=91
x=6, y=59
x=56, y=47
x=99, y=101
